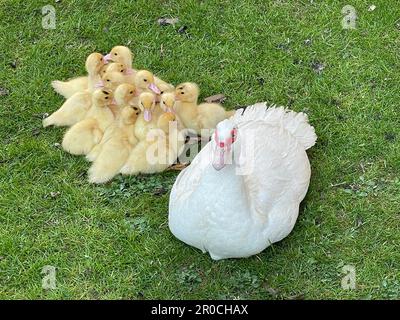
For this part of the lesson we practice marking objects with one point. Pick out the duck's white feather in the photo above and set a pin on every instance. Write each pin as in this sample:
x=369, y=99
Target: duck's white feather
x=242, y=209
x=296, y=123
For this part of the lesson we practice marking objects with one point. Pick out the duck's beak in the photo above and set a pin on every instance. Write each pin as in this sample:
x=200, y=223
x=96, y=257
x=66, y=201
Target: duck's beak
x=107, y=58
x=170, y=108
x=147, y=115
x=218, y=158
x=129, y=71
x=154, y=88
x=99, y=84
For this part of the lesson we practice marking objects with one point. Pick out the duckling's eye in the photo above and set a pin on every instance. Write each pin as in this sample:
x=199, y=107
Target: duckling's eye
x=135, y=108
x=145, y=80
x=122, y=71
x=108, y=80
x=131, y=92
x=182, y=92
x=137, y=113
x=115, y=54
x=162, y=92
x=105, y=92
x=106, y=98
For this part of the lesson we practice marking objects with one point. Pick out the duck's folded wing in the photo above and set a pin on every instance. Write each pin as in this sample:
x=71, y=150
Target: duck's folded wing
x=266, y=168
x=276, y=167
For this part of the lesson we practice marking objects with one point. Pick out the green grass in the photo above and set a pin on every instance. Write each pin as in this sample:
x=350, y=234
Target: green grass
x=112, y=241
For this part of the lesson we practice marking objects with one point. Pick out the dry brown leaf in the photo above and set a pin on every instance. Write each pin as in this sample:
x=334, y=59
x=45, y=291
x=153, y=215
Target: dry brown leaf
x=167, y=21
x=216, y=98
x=182, y=29
x=55, y=194
x=178, y=166
x=4, y=91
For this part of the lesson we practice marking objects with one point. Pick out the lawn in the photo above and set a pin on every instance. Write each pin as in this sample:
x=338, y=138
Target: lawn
x=113, y=241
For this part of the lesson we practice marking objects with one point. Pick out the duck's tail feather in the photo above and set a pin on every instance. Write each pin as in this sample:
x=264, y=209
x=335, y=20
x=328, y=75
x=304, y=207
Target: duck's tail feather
x=62, y=88
x=294, y=122
x=69, y=88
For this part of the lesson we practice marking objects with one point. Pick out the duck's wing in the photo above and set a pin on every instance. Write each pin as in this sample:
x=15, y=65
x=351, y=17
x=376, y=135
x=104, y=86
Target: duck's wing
x=275, y=165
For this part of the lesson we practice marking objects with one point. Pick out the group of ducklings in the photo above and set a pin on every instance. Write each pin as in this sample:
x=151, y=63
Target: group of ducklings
x=115, y=114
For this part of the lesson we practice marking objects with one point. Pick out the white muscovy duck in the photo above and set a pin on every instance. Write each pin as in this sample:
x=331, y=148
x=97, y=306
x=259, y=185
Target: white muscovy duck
x=236, y=206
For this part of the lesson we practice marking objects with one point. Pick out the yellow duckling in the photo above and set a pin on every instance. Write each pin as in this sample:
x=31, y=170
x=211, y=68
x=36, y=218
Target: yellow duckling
x=165, y=88
x=96, y=63
x=150, y=113
x=75, y=107
x=144, y=81
x=105, y=68
x=160, y=149
x=112, y=79
x=115, y=151
x=84, y=135
x=121, y=69
x=167, y=104
x=123, y=55
x=125, y=95
x=194, y=116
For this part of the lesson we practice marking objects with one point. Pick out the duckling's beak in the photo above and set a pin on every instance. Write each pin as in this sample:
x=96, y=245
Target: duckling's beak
x=147, y=115
x=129, y=71
x=154, y=88
x=170, y=109
x=99, y=84
x=107, y=58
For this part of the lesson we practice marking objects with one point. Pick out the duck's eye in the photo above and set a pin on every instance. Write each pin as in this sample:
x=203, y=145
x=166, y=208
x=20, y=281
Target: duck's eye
x=145, y=80
x=135, y=108
x=130, y=92
x=115, y=54
x=105, y=92
x=108, y=80
x=162, y=92
x=106, y=98
x=137, y=113
x=122, y=70
x=182, y=92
